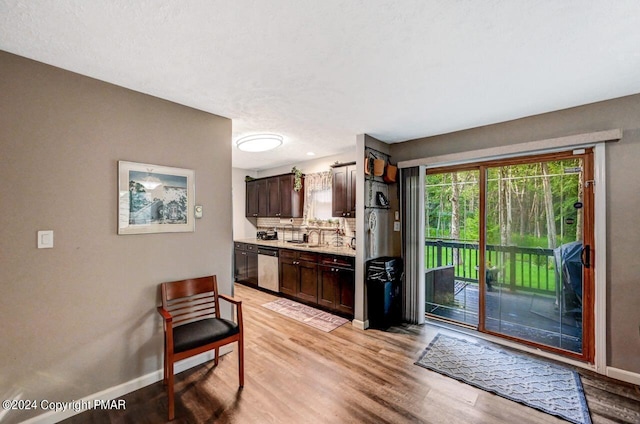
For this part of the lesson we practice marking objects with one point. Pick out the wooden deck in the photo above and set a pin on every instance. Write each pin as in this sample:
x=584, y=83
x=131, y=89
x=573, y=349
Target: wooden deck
x=525, y=315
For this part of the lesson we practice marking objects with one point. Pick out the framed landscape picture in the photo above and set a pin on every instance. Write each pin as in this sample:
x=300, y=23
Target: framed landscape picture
x=154, y=199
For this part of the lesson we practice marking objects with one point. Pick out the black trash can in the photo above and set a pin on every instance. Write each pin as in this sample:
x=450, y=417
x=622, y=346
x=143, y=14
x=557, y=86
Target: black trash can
x=383, y=292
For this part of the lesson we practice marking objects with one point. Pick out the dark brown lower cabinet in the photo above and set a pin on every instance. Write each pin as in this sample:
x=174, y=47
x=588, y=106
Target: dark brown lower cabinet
x=299, y=274
x=245, y=260
x=346, y=291
x=336, y=284
x=308, y=288
x=324, y=280
x=327, y=284
x=289, y=276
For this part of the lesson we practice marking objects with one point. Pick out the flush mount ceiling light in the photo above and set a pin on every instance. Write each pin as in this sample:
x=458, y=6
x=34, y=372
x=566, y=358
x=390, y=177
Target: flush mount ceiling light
x=259, y=142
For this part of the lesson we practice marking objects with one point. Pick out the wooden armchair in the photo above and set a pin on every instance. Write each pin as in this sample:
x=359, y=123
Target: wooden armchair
x=192, y=325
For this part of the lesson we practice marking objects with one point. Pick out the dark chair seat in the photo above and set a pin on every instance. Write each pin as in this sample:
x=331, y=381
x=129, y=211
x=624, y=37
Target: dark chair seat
x=199, y=333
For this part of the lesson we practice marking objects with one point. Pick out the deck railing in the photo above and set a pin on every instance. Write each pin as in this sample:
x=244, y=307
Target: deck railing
x=517, y=268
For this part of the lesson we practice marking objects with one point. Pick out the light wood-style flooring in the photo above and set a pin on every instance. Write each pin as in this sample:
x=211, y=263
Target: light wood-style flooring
x=297, y=374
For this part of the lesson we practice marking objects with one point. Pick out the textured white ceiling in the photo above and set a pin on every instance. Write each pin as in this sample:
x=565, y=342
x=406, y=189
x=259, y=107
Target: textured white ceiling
x=321, y=71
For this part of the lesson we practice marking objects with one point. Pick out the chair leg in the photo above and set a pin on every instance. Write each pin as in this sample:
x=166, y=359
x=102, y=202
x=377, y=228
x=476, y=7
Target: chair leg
x=164, y=370
x=241, y=360
x=164, y=361
x=170, y=393
x=217, y=357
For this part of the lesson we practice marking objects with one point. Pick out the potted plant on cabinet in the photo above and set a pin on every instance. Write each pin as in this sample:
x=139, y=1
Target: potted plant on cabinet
x=297, y=179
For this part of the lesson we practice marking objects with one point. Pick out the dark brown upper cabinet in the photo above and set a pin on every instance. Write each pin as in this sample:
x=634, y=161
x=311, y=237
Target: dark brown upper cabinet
x=274, y=197
x=344, y=191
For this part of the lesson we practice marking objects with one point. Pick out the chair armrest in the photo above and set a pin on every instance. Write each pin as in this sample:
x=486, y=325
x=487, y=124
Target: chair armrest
x=238, y=304
x=165, y=314
x=230, y=299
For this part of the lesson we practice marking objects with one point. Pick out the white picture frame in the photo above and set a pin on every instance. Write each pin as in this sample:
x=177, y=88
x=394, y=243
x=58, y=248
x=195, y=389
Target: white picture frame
x=155, y=198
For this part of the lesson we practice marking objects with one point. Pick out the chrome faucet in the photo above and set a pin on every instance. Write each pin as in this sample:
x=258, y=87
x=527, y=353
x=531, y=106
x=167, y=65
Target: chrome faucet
x=284, y=231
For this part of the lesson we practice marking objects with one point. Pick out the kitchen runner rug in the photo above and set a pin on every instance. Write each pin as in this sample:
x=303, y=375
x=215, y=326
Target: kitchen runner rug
x=550, y=388
x=311, y=316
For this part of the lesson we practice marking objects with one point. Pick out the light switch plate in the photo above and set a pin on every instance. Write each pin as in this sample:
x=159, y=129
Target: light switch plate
x=45, y=239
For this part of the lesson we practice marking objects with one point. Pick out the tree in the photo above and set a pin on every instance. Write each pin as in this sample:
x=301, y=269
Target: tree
x=504, y=206
x=548, y=203
x=455, y=213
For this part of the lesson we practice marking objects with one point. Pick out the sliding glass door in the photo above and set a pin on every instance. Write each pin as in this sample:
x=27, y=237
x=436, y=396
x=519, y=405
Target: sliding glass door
x=508, y=249
x=451, y=245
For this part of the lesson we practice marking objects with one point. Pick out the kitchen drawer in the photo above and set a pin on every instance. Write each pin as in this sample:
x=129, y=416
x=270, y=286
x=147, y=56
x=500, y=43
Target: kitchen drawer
x=341, y=261
x=299, y=255
x=249, y=247
x=288, y=254
x=308, y=256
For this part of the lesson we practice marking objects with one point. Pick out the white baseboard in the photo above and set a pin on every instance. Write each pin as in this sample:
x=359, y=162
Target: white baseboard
x=628, y=376
x=360, y=325
x=120, y=390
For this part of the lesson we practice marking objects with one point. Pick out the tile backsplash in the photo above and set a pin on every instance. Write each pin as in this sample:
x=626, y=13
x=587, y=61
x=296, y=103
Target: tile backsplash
x=295, y=228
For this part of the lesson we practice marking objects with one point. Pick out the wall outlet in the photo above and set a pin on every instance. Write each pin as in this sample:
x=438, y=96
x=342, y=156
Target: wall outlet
x=396, y=226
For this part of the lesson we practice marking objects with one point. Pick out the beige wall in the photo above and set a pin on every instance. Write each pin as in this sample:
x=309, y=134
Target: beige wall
x=623, y=200
x=80, y=318
x=243, y=227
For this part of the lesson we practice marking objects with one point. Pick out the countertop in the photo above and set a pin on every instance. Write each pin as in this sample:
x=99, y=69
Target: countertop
x=281, y=244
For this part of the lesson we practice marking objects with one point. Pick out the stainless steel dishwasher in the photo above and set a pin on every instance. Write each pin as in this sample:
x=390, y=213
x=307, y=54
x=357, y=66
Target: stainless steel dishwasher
x=268, y=268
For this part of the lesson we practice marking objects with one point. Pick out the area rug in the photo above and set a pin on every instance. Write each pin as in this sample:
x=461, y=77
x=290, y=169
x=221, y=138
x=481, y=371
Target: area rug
x=311, y=316
x=539, y=384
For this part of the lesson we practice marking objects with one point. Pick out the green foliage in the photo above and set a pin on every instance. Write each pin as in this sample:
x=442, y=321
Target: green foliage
x=526, y=213
x=515, y=215
x=471, y=228
x=297, y=180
